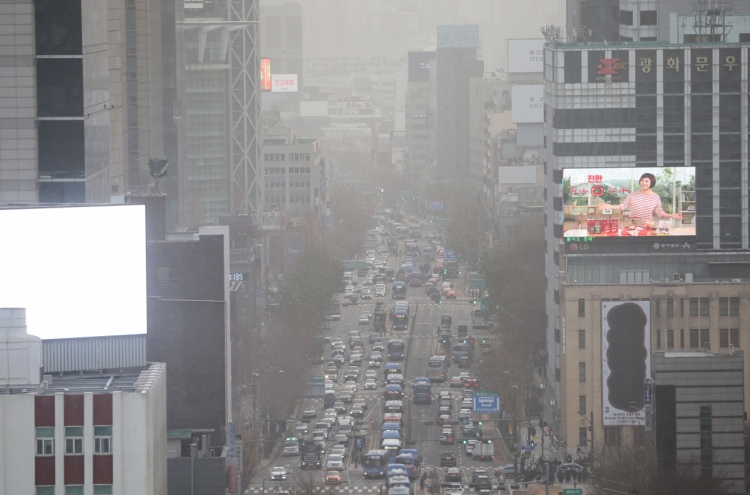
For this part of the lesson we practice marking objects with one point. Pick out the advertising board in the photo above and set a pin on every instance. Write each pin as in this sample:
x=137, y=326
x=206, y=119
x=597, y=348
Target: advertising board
x=265, y=74
x=626, y=347
x=526, y=55
x=79, y=271
x=527, y=102
x=458, y=36
x=436, y=205
x=419, y=66
x=284, y=83
x=657, y=204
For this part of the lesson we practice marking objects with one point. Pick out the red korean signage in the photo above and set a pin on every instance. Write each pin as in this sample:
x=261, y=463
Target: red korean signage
x=610, y=66
x=265, y=74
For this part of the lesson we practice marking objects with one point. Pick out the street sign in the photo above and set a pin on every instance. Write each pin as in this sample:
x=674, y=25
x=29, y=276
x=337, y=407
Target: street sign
x=231, y=440
x=486, y=404
x=464, y=421
x=572, y=491
x=647, y=390
x=436, y=205
x=484, y=304
x=526, y=447
x=484, y=392
x=355, y=265
x=318, y=378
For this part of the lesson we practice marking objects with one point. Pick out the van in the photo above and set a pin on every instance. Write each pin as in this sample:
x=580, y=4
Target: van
x=345, y=426
x=395, y=379
x=348, y=277
x=329, y=400
x=395, y=406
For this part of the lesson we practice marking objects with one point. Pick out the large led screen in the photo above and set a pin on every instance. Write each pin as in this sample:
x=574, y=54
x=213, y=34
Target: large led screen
x=626, y=350
x=623, y=203
x=78, y=271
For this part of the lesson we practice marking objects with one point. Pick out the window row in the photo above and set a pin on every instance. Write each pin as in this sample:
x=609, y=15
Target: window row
x=281, y=185
x=45, y=440
x=299, y=157
x=698, y=338
x=74, y=490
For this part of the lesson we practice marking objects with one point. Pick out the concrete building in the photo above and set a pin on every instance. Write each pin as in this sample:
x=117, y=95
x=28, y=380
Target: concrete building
x=456, y=59
x=75, y=131
x=700, y=412
x=420, y=121
x=281, y=36
x=680, y=317
x=613, y=113
x=79, y=433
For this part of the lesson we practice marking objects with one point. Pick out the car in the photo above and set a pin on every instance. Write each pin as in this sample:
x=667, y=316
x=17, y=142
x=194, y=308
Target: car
x=464, y=413
x=278, y=474
x=340, y=407
x=445, y=291
x=338, y=449
x=309, y=413
x=301, y=428
x=453, y=489
x=471, y=383
x=450, y=294
x=335, y=462
x=357, y=412
x=349, y=290
x=477, y=473
x=345, y=396
x=456, y=382
x=373, y=364
x=375, y=337
x=319, y=436
x=336, y=341
x=363, y=320
x=508, y=470
x=361, y=403
x=571, y=466
x=365, y=293
x=453, y=474
x=351, y=387
x=447, y=436
x=447, y=459
x=371, y=375
x=333, y=477
x=378, y=347
x=370, y=384
x=379, y=291
x=376, y=356
x=332, y=373
x=467, y=402
x=469, y=446
x=367, y=314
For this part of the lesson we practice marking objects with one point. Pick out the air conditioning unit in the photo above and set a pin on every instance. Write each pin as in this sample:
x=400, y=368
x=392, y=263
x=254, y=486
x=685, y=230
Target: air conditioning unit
x=676, y=277
x=736, y=280
x=664, y=280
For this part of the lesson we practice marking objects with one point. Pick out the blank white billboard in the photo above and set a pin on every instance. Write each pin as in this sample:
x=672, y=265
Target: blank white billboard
x=526, y=55
x=78, y=271
x=527, y=102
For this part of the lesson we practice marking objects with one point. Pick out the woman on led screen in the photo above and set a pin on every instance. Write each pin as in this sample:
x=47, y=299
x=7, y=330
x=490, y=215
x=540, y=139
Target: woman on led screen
x=644, y=203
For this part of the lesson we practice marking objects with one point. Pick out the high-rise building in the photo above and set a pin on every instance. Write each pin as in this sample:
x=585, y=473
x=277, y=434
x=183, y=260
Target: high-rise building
x=218, y=110
x=456, y=59
x=281, y=38
x=419, y=116
x=646, y=185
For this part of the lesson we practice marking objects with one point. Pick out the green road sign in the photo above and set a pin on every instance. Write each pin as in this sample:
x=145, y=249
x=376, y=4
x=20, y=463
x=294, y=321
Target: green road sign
x=318, y=378
x=484, y=392
x=485, y=304
x=572, y=491
x=355, y=265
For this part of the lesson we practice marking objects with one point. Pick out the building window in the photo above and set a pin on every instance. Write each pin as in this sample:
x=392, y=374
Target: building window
x=682, y=339
x=658, y=339
x=45, y=490
x=648, y=18
x=693, y=338
x=734, y=337
x=581, y=339
x=74, y=439
x=102, y=489
x=707, y=452
x=102, y=439
x=581, y=307
x=693, y=306
x=704, y=306
x=723, y=306
x=670, y=307
x=626, y=17
x=45, y=441
x=581, y=372
x=612, y=436
x=582, y=404
x=723, y=338
x=704, y=339
x=734, y=306
x=670, y=339
x=658, y=306
x=682, y=307
x=74, y=490
x=582, y=437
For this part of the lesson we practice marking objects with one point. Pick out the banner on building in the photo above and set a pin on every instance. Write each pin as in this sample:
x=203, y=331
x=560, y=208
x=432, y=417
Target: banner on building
x=265, y=74
x=460, y=36
x=526, y=55
x=284, y=83
x=626, y=361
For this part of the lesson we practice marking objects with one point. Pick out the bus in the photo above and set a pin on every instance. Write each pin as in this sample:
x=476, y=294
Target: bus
x=479, y=319
x=410, y=463
x=398, y=290
x=416, y=231
x=422, y=389
x=400, y=319
x=461, y=349
x=402, y=232
x=375, y=462
x=395, y=349
x=411, y=249
x=428, y=253
x=437, y=368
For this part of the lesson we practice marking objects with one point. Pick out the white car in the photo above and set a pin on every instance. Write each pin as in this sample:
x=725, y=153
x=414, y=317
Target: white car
x=453, y=489
x=370, y=384
x=467, y=403
x=278, y=474
x=334, y=462
x=301, y=428
x=363, y=320
x=349, y=290
x=351, y=385
x=371, y=375
x=379, y=291
x=469, y=446
x=464, y=413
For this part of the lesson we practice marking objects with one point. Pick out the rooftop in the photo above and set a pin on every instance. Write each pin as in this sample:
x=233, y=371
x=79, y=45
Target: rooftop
x=627, y=45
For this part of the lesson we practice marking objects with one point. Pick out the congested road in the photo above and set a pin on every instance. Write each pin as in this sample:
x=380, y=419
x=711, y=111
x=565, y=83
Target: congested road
x=420, y=429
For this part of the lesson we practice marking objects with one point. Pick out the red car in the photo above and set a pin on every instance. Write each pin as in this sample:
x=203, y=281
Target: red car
x=450, y=295
x=471, y=383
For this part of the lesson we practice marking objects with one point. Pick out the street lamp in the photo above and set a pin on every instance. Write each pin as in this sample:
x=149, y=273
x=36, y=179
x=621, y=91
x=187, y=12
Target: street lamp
x=193, y=448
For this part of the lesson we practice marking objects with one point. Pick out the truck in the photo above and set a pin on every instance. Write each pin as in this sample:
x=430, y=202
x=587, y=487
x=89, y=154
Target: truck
x=379, y=319
x=335, y=311
x=446, y=321
x=484, y=451
x=310, y=453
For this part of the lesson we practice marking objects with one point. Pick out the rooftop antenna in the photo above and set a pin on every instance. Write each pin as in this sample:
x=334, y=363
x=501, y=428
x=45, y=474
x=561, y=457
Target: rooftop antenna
x=551, y=33
x=157, y=167
x=709, y=20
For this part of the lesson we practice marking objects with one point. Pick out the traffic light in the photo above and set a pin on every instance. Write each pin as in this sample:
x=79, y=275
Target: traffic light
x=479, y=423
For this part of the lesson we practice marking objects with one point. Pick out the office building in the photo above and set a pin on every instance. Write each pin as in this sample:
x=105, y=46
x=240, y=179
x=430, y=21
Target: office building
x=456, y=59
x=419, y=116
x=79, y=432
x=614, y=113
x=281, y=39
x=700, y=409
